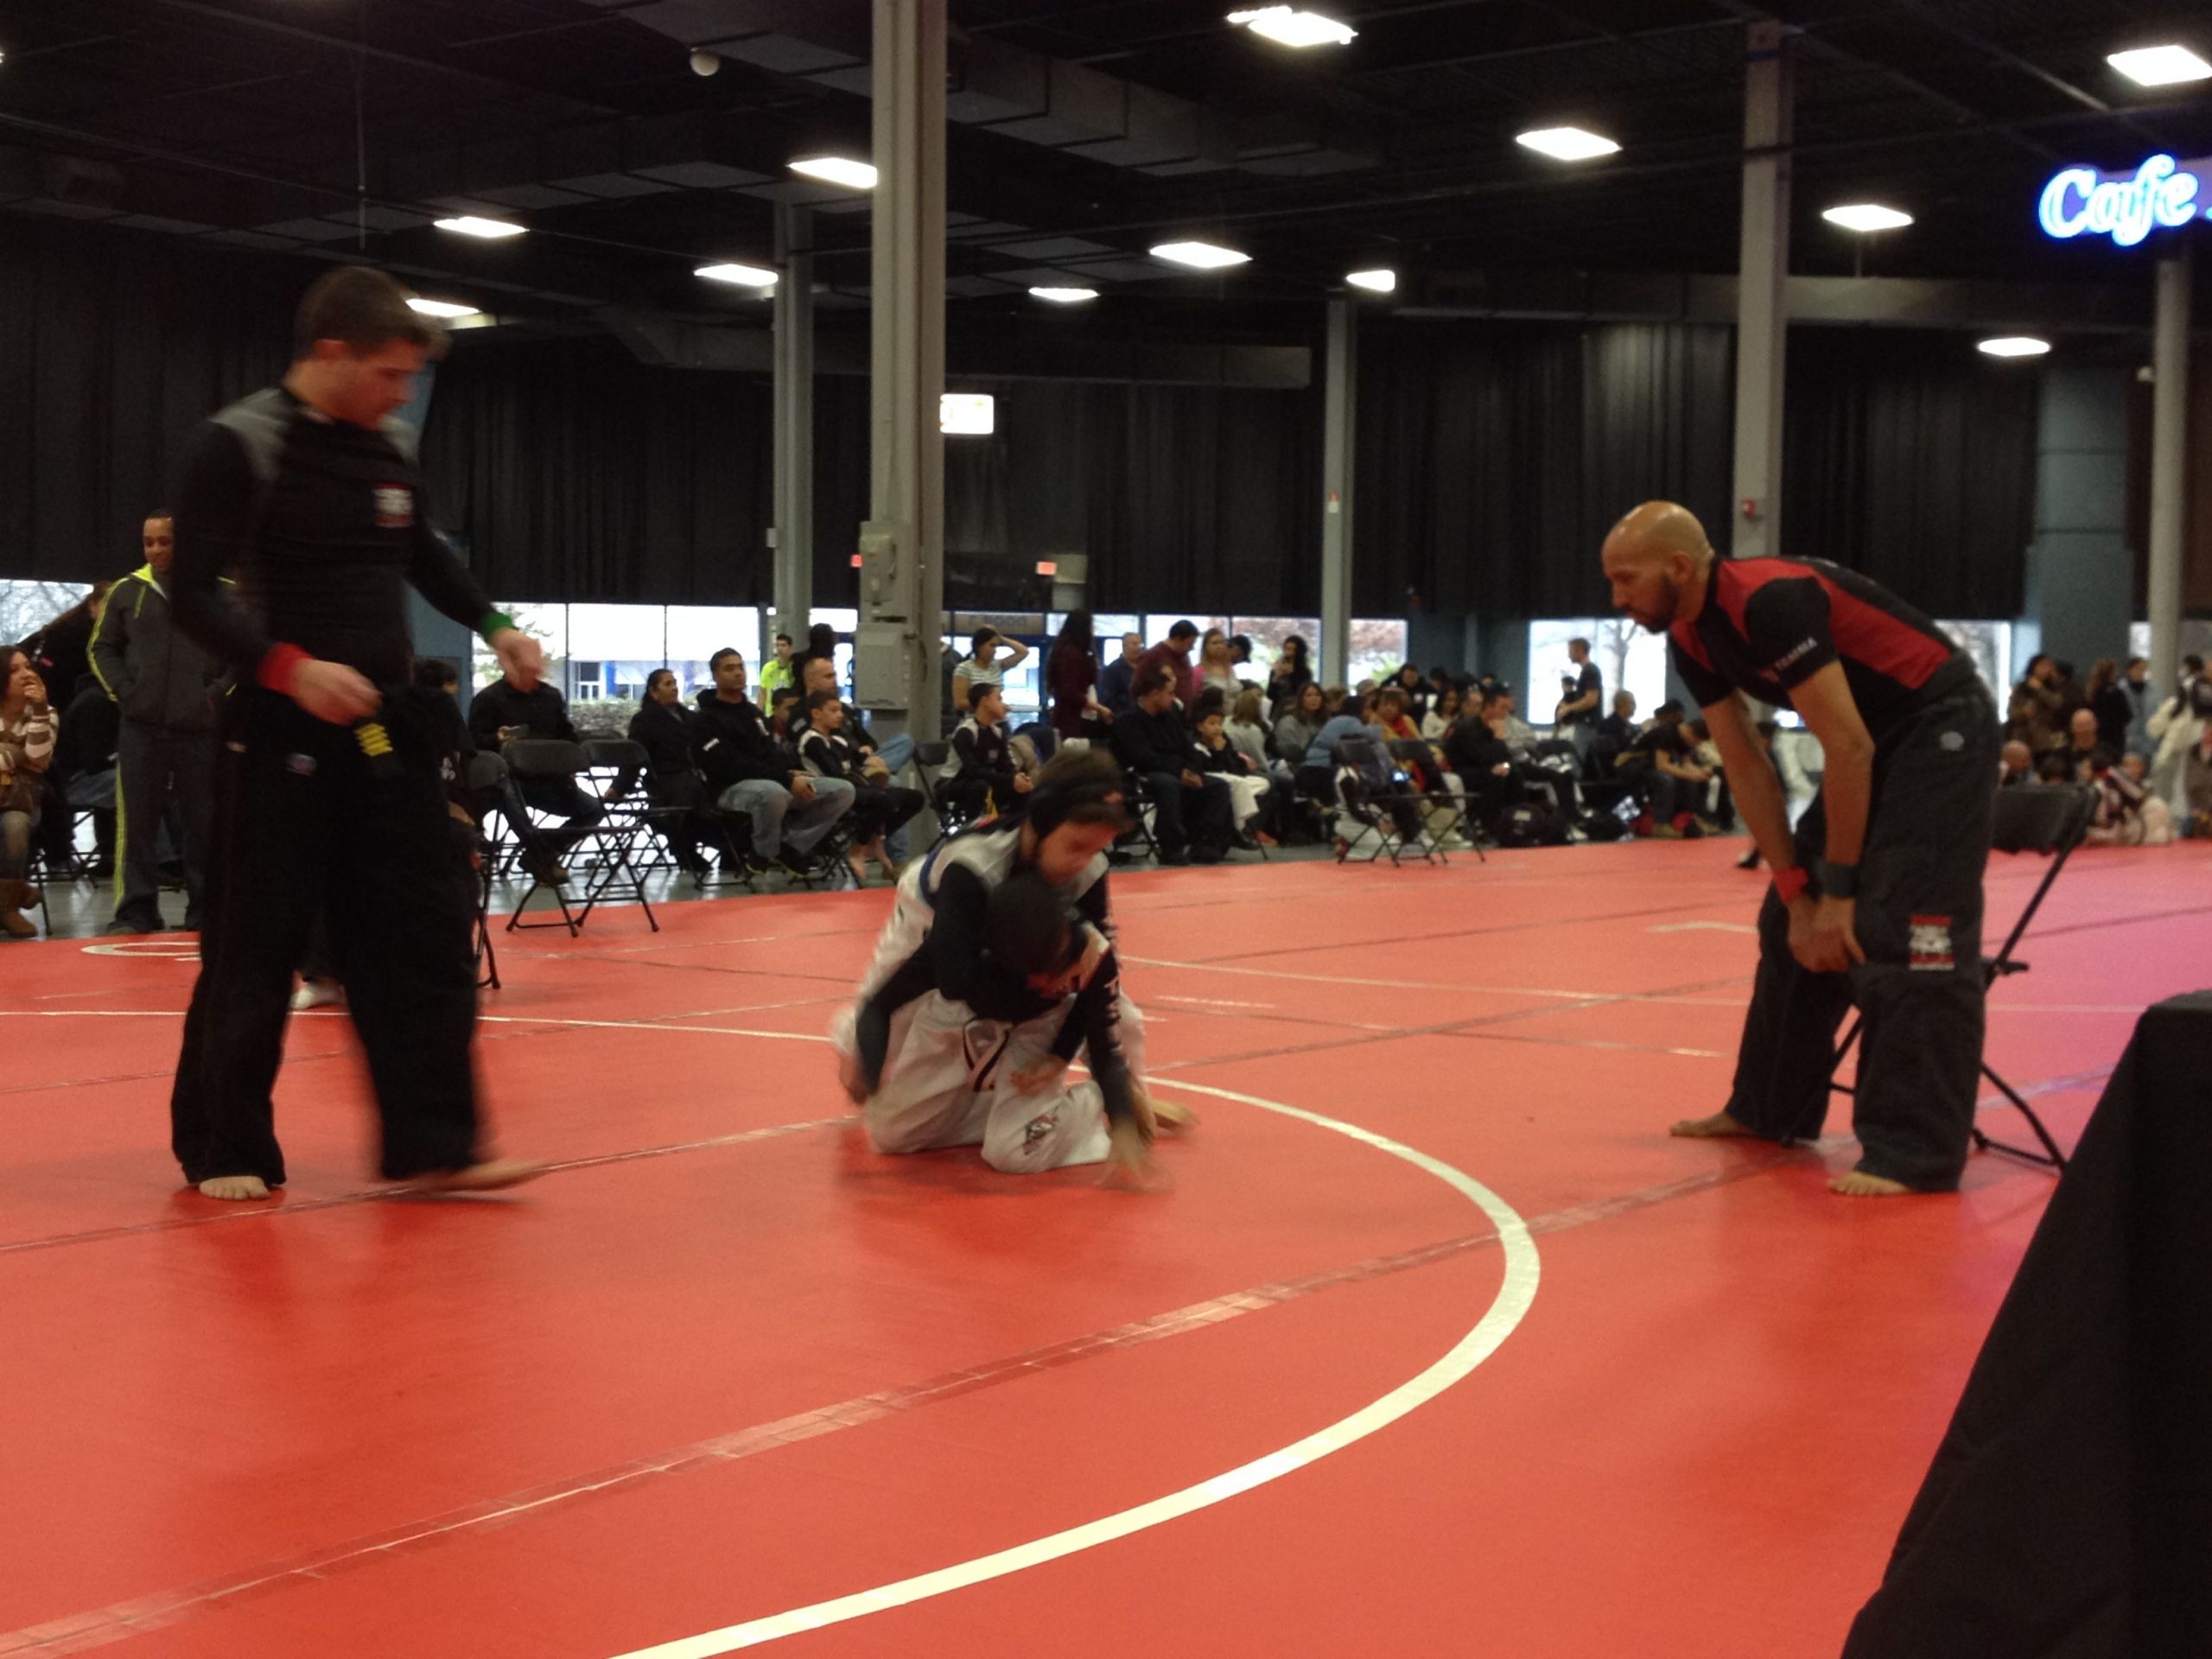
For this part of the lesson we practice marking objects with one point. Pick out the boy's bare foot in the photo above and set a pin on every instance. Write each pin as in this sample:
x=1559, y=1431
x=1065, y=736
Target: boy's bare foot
x=1717, y=1127
x=1859, y=1184
x=234, y=1189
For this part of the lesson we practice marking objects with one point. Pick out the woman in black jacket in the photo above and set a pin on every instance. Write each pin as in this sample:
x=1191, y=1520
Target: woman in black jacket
x=669, y=734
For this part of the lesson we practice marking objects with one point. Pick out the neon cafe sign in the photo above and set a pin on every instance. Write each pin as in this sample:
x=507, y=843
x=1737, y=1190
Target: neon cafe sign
x=2161, y=195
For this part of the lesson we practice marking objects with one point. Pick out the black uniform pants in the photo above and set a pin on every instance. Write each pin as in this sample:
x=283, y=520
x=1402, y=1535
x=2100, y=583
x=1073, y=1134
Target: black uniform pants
x=1180, y=815
x=879, y=809
x=306, y=823
x=157, y=767
x=1920, y=991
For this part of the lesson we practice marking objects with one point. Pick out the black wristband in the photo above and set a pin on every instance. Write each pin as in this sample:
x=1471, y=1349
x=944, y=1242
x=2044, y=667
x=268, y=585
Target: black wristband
x=1839, y=881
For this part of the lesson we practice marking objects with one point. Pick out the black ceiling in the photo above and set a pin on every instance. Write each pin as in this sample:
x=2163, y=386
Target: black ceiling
x=1084, y=130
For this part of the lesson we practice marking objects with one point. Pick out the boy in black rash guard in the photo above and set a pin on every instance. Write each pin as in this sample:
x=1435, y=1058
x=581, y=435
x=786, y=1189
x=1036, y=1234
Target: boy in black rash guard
x=973, y=1050
x=878, y=809
x=1877, y=898
x=328, y=797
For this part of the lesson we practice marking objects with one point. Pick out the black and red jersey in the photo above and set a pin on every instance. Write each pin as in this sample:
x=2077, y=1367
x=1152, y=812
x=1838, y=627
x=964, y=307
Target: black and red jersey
x=1769, y=624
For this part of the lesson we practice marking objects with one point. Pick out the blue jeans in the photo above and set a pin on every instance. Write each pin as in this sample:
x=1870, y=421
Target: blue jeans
x=897, y=751
x=777, y=816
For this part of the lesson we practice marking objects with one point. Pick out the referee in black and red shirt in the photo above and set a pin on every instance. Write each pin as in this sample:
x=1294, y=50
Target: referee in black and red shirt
x=328, y=796
x=1877, y=898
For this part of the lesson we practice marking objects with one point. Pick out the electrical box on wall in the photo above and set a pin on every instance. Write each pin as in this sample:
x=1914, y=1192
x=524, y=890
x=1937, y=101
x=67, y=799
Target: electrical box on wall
x=879, y=654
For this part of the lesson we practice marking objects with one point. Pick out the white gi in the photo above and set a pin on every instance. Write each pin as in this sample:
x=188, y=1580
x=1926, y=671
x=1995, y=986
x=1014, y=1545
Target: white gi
x=948, y=1074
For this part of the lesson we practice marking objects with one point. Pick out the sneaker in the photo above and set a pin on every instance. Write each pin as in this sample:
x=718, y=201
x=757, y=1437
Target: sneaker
x=1750, y=861
x=120, y=926
x=318, y=994
x=795, y=864
x=1208, y=854
x=547, y=870
x=1665, y=832
x=753, y=865
x=1176, y=855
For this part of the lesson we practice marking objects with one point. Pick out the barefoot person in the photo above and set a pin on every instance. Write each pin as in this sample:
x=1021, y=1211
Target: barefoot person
x=1877, y=899
x=329, y=798
x=996, y=967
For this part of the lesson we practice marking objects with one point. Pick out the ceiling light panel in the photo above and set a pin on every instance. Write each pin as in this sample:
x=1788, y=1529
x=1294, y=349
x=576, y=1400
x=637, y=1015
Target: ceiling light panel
x=1065, y=296
x=1866, y=216
x=1375, y=282
x=742, y=275
x=1567, y=143
x=2161, y=66
x=1287, y=26
x=492, y=229
x=446, y=308
x=2014, y=345
x=836, y=169
x=1200, y=255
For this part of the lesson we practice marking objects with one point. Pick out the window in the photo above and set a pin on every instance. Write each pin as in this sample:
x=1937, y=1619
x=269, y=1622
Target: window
x=27, y=606
x=1990, y=645
x=1378, y=647
x=1628, y=659
x=611, y=648
x=694, y=632
x=1267, y=634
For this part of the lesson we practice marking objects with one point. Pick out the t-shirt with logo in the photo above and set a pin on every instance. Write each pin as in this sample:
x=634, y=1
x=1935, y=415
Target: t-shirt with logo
x=1769, y=624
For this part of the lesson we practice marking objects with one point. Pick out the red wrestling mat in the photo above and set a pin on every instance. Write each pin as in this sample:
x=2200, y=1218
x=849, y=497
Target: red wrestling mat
x=727, y=1371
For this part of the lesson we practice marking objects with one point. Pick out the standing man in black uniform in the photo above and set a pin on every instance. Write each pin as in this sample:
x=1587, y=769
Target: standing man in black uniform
x=328, y=797
x=1878, y=901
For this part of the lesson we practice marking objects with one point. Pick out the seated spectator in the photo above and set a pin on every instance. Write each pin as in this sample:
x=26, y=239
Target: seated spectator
x=1412, y=688
x=1475, y=747
x=878, y=809
x=984, y=779
x=1443, y=713
x=1116, y=678
x=1288, y=679
x=670, y=736
x=2016, y=764
x=1317, y=768
x=1669, y=781
x=503, y=712
x=1424, y=763
x=2032, y=715
x=1297, y=725
x=1613, y=735
x=2083, y=747
x=1191, y=812
x=783, y=711
x=27, y=736
x=2105, y=696
x=2126, y=815
x=1175, y=656
x=2197, y=786
x=1249, y=785
x=753, y=776
x=83, y=774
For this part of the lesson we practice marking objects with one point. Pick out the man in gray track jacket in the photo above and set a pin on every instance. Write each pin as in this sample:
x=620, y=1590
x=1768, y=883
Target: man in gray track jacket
x=167, y=689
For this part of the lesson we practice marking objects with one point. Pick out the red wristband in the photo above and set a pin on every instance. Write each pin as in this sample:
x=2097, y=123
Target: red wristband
x=279, y=666
x=1790, y=885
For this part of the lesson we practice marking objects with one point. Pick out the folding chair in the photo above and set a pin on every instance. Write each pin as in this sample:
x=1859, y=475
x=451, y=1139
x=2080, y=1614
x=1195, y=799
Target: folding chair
x=543, y=760
x=1419, y=751
x=630, y=819
x=1363, y=766
x=952, y=812
x=485, y=779
x=2049, y=819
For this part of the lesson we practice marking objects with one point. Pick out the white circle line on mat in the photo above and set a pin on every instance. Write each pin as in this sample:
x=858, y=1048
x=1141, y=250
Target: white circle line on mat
x=1516, y=1292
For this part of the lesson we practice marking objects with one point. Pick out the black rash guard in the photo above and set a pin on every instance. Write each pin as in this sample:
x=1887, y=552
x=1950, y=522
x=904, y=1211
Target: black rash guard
x=324, y=524
x=1769, y=624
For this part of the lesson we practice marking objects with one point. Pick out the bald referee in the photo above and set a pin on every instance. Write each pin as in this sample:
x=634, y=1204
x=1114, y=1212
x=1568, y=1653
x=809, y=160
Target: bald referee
x=328, y=794
x=1877, y=899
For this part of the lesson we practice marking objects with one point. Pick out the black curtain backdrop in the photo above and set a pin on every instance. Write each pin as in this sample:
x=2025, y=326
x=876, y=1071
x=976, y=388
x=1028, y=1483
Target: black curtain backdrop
x=113, y=344
x=1911, y=456
x=1492, y=457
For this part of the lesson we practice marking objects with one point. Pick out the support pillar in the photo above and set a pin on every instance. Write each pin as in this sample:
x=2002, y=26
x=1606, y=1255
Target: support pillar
x=2168, y=474
x=1340, y=409
x=793, y=536
x=902, y=543
x=1763, y=316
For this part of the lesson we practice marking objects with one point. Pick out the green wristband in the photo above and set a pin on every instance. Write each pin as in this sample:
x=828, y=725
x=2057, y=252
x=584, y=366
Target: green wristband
x=491, y=623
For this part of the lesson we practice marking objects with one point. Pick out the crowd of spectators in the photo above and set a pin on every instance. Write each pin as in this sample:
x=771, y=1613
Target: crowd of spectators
x=2147, y=751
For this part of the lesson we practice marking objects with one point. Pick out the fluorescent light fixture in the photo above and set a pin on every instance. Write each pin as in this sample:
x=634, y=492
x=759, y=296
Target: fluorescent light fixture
x=1375, y=282
x=490, y=229
x=1567, y=143
x=2014, y=345
x=742, y=276
x=2160, y=66
x=446, y=309
x=1065, y=296
x=966, y=414
x=837, y=169
x=1200, y=255
x=1866, y=216
x=1287, y=26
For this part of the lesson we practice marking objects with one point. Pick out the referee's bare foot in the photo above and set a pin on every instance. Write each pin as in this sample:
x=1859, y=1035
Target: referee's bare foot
x=1720, y=1126
x=234, y=1189
x=490, y=1176
x=1859, y=1184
